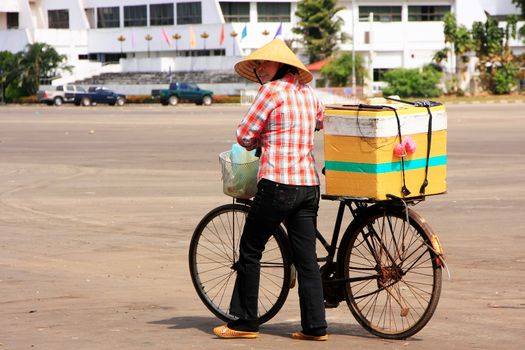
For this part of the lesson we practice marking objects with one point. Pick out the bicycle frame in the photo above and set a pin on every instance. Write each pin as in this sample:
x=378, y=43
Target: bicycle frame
x=332, y=281
x=365, y=265
x=354, y=204
x=332, y=246
x=330, y=275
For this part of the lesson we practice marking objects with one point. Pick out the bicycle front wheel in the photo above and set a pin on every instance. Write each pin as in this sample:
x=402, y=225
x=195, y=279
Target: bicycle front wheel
x=392, y=273
x=213, y=256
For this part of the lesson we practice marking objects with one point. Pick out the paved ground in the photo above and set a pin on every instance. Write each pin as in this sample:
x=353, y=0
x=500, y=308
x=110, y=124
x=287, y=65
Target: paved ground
x=97, y=206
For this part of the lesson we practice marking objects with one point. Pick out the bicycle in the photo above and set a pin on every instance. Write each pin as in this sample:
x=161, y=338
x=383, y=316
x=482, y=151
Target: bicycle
x=388, y=266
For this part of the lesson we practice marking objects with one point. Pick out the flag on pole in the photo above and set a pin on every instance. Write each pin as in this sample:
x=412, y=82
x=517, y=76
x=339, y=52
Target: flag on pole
x=193, y=41
x=244, y=32
x=279, y=30
x=166, y=37
x=221, y=38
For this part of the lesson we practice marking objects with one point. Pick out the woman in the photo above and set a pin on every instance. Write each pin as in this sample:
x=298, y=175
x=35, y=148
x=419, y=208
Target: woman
x=281, y=123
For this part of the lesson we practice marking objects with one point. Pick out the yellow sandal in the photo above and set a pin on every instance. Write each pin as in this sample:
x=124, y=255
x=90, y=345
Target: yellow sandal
x=302, y=336
x=228, y=333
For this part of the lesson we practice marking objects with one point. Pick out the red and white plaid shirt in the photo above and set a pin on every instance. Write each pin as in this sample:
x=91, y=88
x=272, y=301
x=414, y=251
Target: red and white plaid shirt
x=282, y=121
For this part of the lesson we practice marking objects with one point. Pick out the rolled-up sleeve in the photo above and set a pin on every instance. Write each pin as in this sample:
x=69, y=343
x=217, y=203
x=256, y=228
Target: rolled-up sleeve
x=319, y=119
x=251, y=126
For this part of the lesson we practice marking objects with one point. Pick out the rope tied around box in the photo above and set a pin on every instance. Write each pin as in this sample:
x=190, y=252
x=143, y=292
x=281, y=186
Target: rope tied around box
x=427, y=104
x=404, y=188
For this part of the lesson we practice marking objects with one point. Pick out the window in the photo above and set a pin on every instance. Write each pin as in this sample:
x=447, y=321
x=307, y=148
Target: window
x=189, y=13
x=236, y=11
x=379, y=72
x=58, y=19
x=381, y=13
x=161, y=14
x=427, y=13
x=187, y=86
x=108, y=17
x=111, y=57
x=135, y=16
x=12, y=20
x=273, y=11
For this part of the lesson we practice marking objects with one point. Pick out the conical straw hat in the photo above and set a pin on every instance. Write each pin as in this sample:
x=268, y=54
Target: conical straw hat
x=276, y=51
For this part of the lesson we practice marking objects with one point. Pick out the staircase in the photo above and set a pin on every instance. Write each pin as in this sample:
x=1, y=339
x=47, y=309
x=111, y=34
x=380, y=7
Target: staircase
x=152, y=78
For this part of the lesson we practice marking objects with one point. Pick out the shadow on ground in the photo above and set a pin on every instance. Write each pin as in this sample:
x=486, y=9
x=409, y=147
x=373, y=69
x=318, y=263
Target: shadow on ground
x=281, y=329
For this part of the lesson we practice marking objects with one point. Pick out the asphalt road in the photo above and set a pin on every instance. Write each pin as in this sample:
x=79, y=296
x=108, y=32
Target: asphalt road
x=98, y=204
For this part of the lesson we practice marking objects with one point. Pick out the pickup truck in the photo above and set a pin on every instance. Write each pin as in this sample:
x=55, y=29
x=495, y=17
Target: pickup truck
x=188, y=92
x=99, y=95
x=62, y=93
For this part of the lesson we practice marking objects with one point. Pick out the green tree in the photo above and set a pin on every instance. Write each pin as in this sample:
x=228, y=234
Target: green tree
x=489, y=43
x=319, y=27
x=413, y=82
x=9, y=76
x=504, y=78
x=488, y=38
x=460, y=39
x=495, y=59
x=521, y=5
x=39, y=62
x=338, y=72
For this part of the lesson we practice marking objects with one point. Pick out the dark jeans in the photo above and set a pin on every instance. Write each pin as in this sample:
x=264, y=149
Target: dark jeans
x=273, y=203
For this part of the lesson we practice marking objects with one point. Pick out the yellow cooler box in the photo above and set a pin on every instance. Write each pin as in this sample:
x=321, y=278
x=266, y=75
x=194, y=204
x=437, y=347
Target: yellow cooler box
x=360, y=155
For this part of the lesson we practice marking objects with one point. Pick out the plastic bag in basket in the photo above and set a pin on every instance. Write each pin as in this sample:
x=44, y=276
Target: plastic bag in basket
x=239, y=172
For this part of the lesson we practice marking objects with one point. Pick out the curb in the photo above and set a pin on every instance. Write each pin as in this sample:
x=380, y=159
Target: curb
x=485, y=102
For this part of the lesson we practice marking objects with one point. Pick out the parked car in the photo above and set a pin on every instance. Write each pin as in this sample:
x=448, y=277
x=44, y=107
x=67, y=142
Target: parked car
x=99, y=95
x=183, y=92
x=62, y=94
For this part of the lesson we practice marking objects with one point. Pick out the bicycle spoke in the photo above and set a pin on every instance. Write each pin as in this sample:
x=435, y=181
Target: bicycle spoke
x=220, y=281
x=268, y=276
x=215, y=231
x=224, y=290
x=216, y=256
x=214, y=252
x=390, y=274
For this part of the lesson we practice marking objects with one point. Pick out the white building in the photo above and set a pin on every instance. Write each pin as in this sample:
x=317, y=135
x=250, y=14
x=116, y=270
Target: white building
x=213, y=34
x=407, y=33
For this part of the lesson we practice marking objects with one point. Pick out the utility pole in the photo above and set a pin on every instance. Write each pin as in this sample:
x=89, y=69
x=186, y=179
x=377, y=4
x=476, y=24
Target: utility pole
x=2, y=87
x=354, y=93
x=233, y=34
x=148, y=39
x=176, y=36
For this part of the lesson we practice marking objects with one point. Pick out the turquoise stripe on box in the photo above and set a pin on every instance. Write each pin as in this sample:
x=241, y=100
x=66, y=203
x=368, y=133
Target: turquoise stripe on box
x=382, y=168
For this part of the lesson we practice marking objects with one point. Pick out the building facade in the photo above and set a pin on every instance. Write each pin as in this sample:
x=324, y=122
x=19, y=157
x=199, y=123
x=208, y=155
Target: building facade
x=407, y=33
x=194, y=35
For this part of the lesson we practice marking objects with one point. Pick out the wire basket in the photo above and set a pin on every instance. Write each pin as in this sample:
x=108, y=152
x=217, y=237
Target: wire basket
x=238, y=180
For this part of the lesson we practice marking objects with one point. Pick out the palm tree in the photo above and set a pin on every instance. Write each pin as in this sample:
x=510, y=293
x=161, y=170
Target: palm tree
x=7, y=72
x=38, y=62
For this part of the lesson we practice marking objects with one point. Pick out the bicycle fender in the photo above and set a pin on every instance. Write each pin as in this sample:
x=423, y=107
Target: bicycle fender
x=432, y=237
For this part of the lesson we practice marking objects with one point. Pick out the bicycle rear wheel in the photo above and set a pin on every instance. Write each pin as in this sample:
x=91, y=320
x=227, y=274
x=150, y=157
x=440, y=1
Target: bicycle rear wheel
x=214, y=252
x=392, y=274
